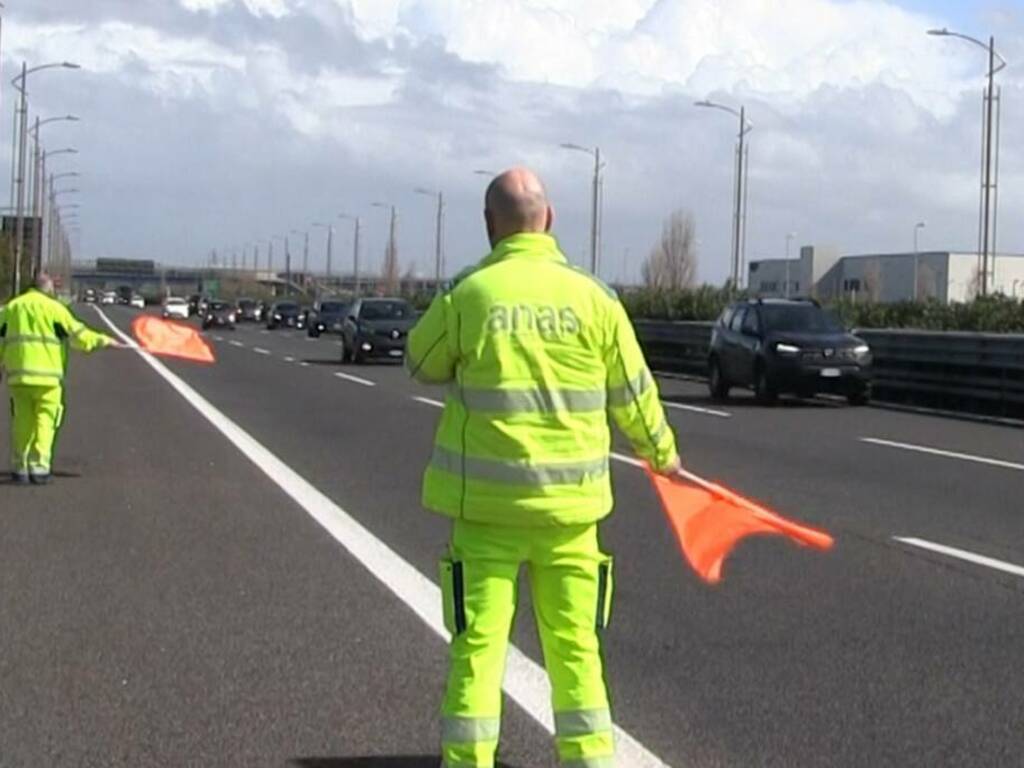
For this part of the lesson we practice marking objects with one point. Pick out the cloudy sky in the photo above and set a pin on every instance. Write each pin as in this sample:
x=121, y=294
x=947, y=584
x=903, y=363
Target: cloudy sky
x=215, y=123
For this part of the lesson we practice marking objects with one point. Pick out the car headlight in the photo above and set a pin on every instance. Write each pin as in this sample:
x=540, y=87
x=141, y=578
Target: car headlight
x=277, y=316
x=231, y=317
x=366, y=347
x=787, y=349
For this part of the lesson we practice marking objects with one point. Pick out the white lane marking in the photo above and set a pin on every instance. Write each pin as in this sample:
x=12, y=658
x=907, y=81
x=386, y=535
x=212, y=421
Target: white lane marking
x=525, y=681
x=428, y=401
x=236, y=344
x=289, y=359
x=963, y=554
x=261, y=351
x=946, y=454
x=310, y=340
x=356, y=379
x=218, y=338
x=265, y=332
x=696, y=409
x=304, y=364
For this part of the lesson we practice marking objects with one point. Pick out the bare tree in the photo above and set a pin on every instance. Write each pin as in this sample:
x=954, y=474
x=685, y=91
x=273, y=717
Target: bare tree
x=672, y=263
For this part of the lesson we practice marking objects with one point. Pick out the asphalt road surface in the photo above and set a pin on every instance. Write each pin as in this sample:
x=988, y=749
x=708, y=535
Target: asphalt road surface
x=232, y=568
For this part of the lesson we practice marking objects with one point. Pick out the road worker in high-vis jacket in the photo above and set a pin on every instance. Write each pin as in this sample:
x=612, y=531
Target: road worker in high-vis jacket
x=35, y=333
x=535, y=355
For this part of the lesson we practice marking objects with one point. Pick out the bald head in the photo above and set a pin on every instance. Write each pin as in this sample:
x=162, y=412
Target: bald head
x=44, y=283
x=516, y=202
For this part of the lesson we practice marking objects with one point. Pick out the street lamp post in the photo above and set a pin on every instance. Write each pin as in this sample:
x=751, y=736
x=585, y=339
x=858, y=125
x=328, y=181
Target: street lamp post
x=52, y=212
x=988, y=216
x=305, y=254
x=39, y=197
x=355, y=249
x=789, y=240
x=21, y=83
x=739, y=233
x=438, y=236
x=917, y=228
x=595, y=210
x=330, y=245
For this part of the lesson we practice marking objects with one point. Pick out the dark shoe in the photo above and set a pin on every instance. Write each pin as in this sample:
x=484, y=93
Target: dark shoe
x=19, y=478
x=40, y=479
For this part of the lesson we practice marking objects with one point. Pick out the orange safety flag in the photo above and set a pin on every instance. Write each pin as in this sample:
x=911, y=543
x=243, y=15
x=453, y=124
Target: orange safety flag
x=710, y=520
x=170, y=339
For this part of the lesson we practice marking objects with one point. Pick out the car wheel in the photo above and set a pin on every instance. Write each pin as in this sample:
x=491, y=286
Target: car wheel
x=313, y=333
x=717, y=384
x=763, y=389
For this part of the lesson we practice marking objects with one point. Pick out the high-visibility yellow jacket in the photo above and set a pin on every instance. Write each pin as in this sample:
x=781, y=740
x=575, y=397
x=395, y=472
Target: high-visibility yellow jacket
x=535, y=355
x=35, y=331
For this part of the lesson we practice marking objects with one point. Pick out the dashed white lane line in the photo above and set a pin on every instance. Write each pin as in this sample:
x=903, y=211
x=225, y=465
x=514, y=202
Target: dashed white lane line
x=963, y=554
x=525, y=680
x=356, y=379
x=236, y=344
x=288, y=359
x=697, y=409
x=261, y=351
x=428, y=401
x=309, y=340
x=218, y=338
x=945, y=454
x=304, y=364
x=265, y=332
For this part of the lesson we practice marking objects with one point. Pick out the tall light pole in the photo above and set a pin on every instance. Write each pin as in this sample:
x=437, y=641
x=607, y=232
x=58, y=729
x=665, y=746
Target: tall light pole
x=390, y=272
x=52, y=211
x=21, y=83
x=39, y=198
x=789, y=240
x=739, y=232
x=270, y=255
x=988, y=215
x=917, y=228
x=330, y=244
x=305, y=254
x=438, y=235
x=595, y=210
x=355, y=249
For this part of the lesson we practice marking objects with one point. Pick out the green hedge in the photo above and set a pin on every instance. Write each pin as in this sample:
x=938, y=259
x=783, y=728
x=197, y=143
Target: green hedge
x=996, y=314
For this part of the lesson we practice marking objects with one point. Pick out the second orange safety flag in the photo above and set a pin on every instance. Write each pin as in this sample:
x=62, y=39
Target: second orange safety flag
x=709, y=521
x=170, y=339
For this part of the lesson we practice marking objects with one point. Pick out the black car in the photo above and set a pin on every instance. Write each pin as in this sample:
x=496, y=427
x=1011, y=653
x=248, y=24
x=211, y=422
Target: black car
x=376, y=328
x=326, y=316
x=776, y=346
x=248, y=311
x=193, y=304
x=218, y=314
x=284, y=314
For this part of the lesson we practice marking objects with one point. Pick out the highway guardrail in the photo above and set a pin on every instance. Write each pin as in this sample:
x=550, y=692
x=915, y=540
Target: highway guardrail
x=971, y=372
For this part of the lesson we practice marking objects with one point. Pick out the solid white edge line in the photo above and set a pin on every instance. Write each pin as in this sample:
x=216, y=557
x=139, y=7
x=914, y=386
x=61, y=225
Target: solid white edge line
x=261, y=351
x=963, y=554
x=525, y=681
x=697, y=409
x=428, y=401
x=356, y=379
x=945, y=454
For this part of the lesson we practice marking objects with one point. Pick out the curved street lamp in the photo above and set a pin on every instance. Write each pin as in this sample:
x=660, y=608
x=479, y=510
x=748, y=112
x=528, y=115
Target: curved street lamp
x=595, y=210
x=990, y=212
x=438, y=234
x=330, y=243
x=739, y=234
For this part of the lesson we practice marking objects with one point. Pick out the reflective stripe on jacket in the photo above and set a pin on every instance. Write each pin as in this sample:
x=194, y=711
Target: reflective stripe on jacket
x=35, y=331
x=535, y=354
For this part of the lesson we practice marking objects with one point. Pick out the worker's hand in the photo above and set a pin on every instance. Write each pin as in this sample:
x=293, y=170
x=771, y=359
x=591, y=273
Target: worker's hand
x=672, y=469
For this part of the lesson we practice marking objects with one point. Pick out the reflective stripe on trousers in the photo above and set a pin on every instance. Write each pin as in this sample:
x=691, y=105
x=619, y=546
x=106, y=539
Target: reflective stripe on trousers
x=517, y=472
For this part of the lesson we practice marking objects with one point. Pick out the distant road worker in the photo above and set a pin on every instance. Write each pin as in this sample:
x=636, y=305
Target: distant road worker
x=535, y=355
x=35, y=332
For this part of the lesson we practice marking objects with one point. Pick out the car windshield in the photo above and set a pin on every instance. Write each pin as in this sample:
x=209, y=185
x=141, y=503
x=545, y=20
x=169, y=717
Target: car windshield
x=246, y=303
x=218, y=306
x=385, y=310
x=287, y=307
x=176, y=301
x=800, y=318
x=332, y=307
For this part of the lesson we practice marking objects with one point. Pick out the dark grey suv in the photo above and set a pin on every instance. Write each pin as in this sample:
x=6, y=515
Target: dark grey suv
x=776, y=346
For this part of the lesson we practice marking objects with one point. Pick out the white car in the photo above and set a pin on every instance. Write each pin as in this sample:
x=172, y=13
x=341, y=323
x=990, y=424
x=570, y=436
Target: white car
x=175, y=307
x=108, y=297
x=138, y=302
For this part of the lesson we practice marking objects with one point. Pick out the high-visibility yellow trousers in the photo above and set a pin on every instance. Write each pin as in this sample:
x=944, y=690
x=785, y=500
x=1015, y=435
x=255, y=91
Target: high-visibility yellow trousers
x=36, y=414
x=571, y=586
